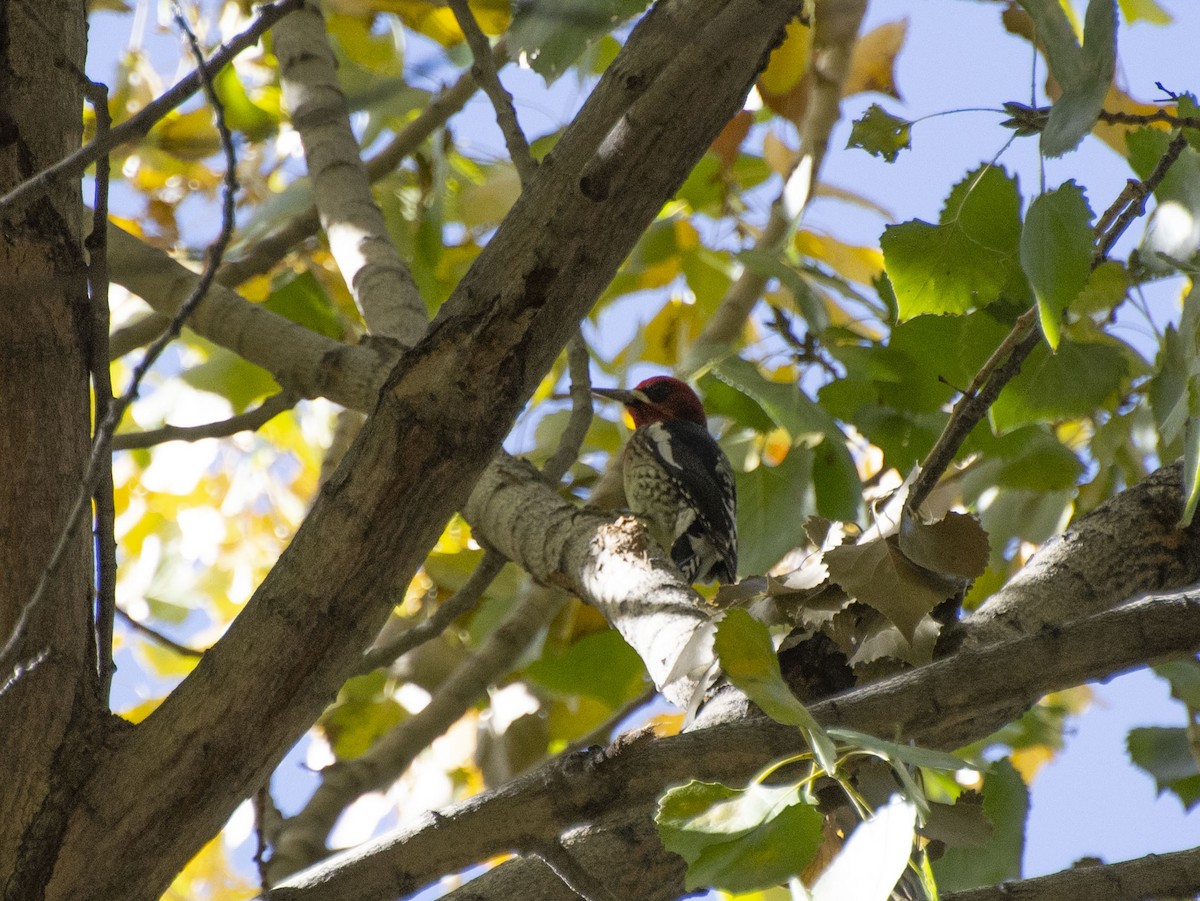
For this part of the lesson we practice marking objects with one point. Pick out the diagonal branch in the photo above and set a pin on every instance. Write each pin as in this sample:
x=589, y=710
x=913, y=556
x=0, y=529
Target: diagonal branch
x=378, y=278
x=485, y=74
x=1153, y=876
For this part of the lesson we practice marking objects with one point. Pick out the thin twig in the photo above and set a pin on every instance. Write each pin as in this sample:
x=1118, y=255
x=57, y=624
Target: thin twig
x=461, y=602
x=139, y=125
x=555, y=855
x=484, y=70
x=156, y=636
x=250, y=421
x=101, y=444
x=1137, y=205
x=580, y=420
x=23, y=669
x=1006, y=361
x=262, y=801
x=102, y=497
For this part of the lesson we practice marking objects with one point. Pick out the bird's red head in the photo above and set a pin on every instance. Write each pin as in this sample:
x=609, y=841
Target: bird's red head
x=658, y=399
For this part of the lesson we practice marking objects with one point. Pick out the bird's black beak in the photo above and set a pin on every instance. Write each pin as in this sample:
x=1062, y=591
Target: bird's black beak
x=618, y=394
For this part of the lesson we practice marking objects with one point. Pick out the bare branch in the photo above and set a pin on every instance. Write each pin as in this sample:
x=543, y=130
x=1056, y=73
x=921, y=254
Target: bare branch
x=250, y=421
x=1153, y=876
x=378, y=278
x=102, y=497
x=139, y=125
x=156, y=636
x=484, y=71
x=572, y=437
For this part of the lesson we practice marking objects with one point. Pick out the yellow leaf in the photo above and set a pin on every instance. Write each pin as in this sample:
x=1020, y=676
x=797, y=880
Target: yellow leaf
x=1027, y=761
x=851, y=261
x=210, y=875
x=686, y=236
x=1145, y=11
x=873, y=61
x=139, y=712
x=789, y=61
x=657, y=275
x=675, y=326
x=377, y=53
x=779, y=156
x=188, y=136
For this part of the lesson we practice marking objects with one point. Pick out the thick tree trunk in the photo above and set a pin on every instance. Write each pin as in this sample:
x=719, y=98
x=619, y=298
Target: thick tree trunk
x=44, y=435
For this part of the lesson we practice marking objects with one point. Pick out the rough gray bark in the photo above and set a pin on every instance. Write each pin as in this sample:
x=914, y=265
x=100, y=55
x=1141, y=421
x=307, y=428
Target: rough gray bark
x=44, y=439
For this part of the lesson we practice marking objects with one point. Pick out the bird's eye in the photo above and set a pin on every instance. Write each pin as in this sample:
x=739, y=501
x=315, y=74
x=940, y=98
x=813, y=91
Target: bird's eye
x=657, y=392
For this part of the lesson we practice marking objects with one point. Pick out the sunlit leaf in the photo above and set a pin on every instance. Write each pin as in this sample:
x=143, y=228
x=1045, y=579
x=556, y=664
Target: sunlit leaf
x=788, y=61
x=738, y=840
x=968, y=259
x=1056, y=252
x=1167, y=755
x=748, y=658
x=880, y=133
x=873, y=858
x=1184, y=676
x=873, y=60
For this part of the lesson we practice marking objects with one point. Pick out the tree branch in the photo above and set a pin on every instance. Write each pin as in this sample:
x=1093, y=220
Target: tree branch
x=378, y=278
x=302, y=838
x=485, y=74
x=1152, y=876
x=250, y=421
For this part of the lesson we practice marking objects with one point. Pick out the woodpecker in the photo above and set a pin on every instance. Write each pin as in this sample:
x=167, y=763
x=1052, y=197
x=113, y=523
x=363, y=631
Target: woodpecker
x=678, y=479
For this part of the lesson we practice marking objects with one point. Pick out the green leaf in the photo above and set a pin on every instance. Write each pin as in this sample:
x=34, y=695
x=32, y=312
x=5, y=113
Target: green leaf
x=1084, y=73
x=738, y=840
x=1073, y=382
x=554, y=33
x=880, y=133
x=363, y=712
x=1056, y=252
x=744, y=648
x=600, y=665
x=873, y=858
x=304, y=301
x=229, y=375
x=1166, y=755
x=1006, y=804
x=242, y=114
x=773, y=503
x=968, y=259
x=1184, y=676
